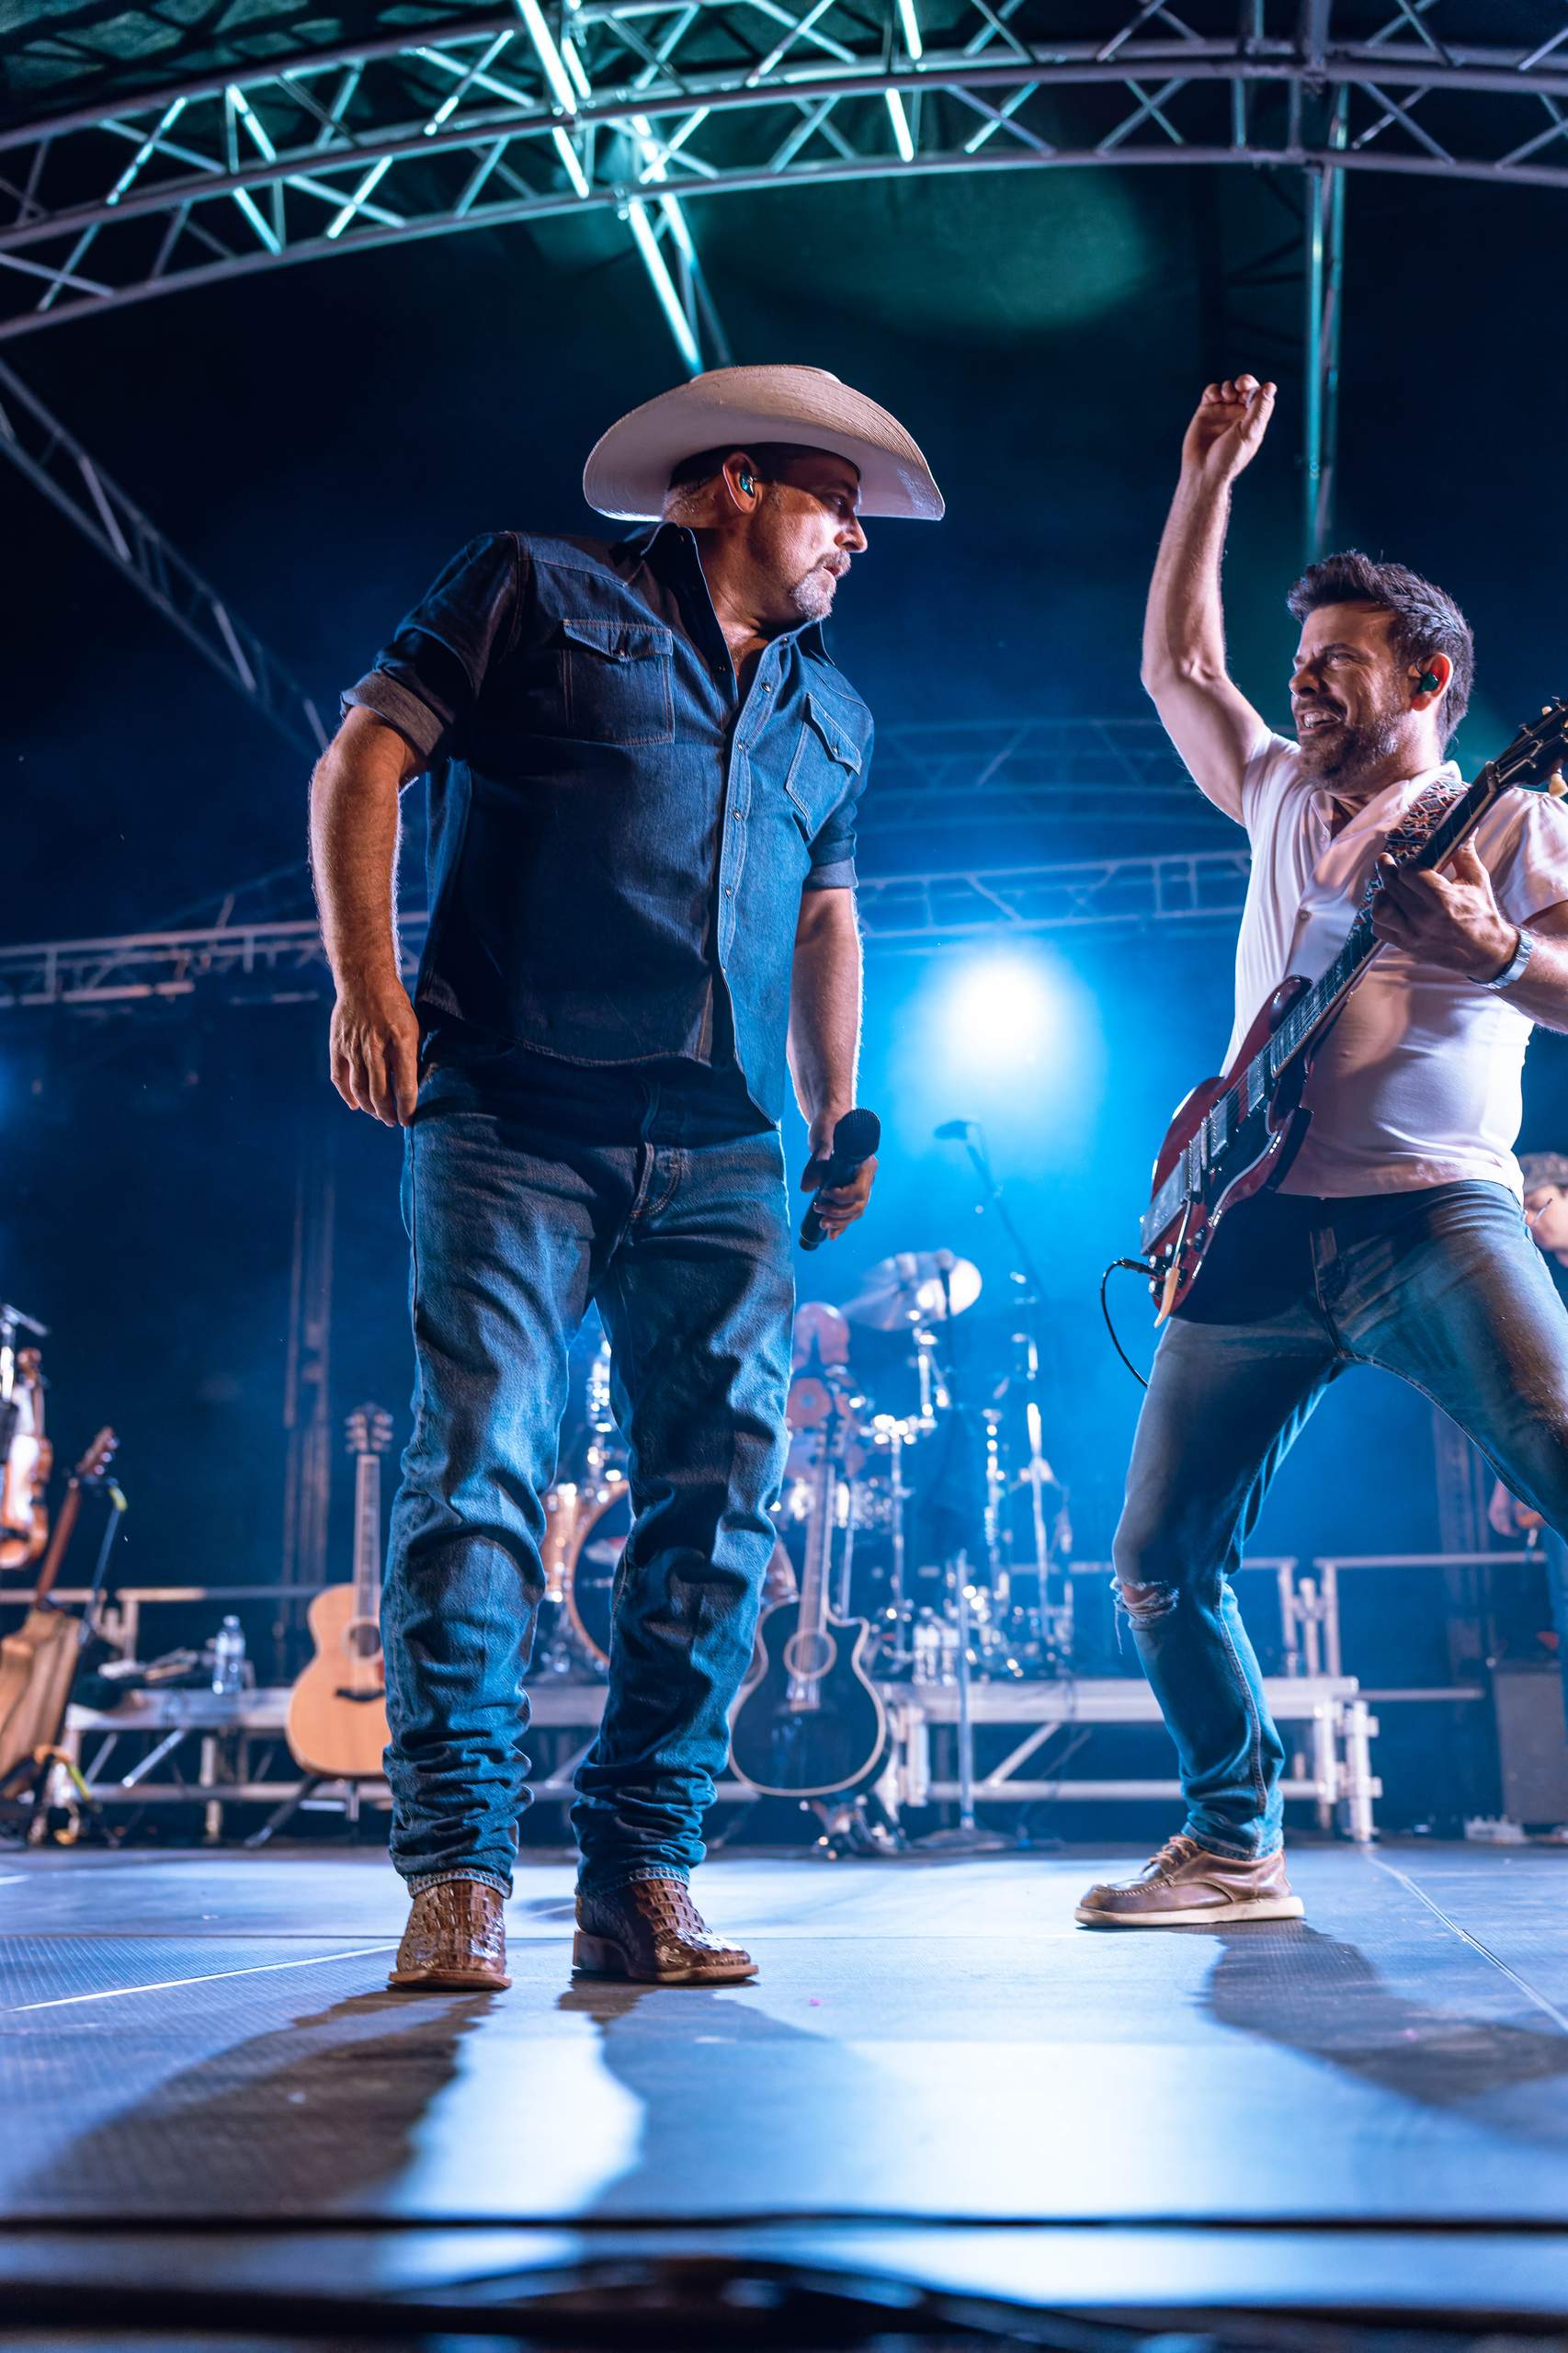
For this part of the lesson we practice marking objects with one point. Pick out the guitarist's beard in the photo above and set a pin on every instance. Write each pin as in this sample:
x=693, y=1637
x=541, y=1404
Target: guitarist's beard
x=1347, y=755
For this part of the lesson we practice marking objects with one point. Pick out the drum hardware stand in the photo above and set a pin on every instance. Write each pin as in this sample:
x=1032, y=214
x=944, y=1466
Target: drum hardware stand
x=966, y=1837
x=897, y=1433
x=1027, y=1280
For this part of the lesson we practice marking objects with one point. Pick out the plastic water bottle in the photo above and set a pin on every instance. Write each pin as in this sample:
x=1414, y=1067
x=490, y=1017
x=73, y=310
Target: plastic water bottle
x=229, y=1659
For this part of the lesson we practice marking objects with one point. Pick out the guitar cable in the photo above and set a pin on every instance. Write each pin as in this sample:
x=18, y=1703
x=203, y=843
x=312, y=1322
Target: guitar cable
x=1134, y=1267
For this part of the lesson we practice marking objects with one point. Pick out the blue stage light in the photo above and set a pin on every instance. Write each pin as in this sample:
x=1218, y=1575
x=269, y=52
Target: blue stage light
x=1004, y=1007
x=1006, y=1033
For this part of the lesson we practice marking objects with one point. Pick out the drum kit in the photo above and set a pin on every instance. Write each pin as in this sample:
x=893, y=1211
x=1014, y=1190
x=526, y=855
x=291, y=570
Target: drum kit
x=917, y=1479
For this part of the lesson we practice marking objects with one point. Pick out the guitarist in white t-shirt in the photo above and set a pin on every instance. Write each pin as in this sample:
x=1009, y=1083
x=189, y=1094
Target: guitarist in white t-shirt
x=1396, y=1237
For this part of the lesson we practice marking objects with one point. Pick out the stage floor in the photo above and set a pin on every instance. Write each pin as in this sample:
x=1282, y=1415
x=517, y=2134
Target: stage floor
x=937, y=2076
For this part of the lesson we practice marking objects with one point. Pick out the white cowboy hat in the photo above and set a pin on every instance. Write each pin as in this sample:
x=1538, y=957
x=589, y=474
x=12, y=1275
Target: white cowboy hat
x=629, y=473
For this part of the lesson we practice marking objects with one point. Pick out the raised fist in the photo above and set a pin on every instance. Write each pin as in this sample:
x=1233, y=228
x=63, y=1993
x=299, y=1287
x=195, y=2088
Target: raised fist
x=1228, y=429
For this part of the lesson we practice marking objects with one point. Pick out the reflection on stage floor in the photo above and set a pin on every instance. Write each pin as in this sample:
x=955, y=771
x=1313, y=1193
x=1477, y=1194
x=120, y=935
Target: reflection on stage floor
x=933, y=2062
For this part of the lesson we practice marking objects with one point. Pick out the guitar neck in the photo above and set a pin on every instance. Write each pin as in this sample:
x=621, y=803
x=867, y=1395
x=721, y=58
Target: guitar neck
x=65, y=1522
x=819, y=1539
x=368, y=1536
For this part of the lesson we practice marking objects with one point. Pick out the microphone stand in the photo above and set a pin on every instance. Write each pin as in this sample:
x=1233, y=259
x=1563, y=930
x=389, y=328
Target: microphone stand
x=1026, y=1277
x=966, y=1836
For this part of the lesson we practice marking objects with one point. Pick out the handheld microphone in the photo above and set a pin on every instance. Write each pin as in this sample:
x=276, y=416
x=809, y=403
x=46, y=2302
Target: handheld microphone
x=855, y=1140
x=952, y=1131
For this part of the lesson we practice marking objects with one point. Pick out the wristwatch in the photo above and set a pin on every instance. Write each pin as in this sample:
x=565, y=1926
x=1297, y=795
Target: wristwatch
x=1514, y=968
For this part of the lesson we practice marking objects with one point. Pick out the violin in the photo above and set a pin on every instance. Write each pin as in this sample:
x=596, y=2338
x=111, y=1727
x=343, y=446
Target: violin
x=27, y=1459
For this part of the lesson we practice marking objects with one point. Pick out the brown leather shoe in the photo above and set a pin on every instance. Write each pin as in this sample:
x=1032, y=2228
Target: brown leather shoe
x=455, y=1940
x=652, y=1932
x=1184, y=1886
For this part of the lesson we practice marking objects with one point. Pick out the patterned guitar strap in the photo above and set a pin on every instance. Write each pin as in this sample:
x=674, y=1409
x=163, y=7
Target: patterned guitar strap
x=1415, y=829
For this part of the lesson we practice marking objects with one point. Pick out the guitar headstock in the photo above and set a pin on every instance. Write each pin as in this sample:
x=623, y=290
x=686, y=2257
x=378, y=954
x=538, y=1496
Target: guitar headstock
x=369, y=1429
x=97, y=1458
x=1534, y=760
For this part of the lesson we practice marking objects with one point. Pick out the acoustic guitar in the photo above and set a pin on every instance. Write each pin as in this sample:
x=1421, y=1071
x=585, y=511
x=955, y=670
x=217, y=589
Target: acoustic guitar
x=813, y=1723
x=337, y=1712
x=38, y=1663
x=1234, y=1135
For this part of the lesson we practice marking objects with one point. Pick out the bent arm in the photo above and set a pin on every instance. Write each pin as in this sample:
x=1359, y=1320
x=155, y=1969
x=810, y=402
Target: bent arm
x=1211, y=722
x=1205, y=715
x=354, y=839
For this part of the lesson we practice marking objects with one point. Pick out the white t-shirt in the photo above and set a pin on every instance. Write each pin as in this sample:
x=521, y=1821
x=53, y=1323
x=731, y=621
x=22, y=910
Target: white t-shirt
x=1418, y=1081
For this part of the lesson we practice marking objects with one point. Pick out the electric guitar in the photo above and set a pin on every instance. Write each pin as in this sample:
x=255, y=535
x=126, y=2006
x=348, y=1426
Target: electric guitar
x=1236, y=1135
x=813, y=1723
x=337, y=1711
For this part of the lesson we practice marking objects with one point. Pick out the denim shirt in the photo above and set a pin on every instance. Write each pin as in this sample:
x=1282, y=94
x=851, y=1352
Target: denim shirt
x=618, y=846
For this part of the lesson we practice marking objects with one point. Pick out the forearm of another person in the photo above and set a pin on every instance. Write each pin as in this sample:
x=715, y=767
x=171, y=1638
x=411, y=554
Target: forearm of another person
x=354, y=839
x=824, y=1037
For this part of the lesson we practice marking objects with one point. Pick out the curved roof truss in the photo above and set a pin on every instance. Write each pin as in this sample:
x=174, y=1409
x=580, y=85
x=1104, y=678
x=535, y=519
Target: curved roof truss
x=640, y=107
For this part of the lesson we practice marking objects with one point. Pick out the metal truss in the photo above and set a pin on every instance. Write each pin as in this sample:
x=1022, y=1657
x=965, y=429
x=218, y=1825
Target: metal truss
x=638, y=106
x=1068, y=767
x=283, y=963
x=52, y=459
x=1194, y=887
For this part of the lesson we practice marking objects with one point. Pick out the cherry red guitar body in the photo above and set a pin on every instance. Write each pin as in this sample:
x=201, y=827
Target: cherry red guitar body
x=1257, y=1155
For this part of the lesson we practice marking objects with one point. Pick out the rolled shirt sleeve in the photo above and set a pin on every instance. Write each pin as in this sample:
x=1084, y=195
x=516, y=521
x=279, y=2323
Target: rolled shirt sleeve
x=833, y=846
x=1530, y=873
x=428, y=680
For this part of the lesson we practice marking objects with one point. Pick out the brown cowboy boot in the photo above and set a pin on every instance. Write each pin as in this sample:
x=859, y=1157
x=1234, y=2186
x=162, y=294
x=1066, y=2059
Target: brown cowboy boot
x=455, y=1940
x=650, y=1932
x=1185, y=1886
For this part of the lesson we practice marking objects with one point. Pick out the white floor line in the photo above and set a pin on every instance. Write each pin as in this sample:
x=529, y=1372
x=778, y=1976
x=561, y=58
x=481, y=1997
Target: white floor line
x=11, y=1879
x=168, y=1984
x=1506, y=1969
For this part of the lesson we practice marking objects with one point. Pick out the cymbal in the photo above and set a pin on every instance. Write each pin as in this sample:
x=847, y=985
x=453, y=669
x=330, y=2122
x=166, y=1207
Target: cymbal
x=915, y=1284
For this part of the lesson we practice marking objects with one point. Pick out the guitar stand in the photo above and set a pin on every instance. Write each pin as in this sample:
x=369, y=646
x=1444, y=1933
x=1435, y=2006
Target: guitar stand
x=282, y=1815
x=861, y=1827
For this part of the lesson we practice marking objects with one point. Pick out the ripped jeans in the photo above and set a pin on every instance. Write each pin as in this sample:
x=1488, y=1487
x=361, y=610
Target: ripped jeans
x=1443, y=1287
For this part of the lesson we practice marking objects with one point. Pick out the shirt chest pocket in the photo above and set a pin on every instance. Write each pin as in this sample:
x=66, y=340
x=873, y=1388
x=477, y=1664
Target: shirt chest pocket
x=824, y=768
x=616, y=681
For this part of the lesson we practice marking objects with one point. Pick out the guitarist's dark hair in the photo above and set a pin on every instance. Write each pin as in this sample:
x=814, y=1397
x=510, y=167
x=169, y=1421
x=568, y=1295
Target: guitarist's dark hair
x=1426, y=619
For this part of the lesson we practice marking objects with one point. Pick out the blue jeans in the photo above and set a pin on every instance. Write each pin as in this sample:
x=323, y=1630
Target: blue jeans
x=530, y=1190
x=1444, y=1288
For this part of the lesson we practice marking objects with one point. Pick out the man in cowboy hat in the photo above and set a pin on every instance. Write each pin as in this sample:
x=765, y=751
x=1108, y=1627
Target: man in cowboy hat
x=644, y=773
